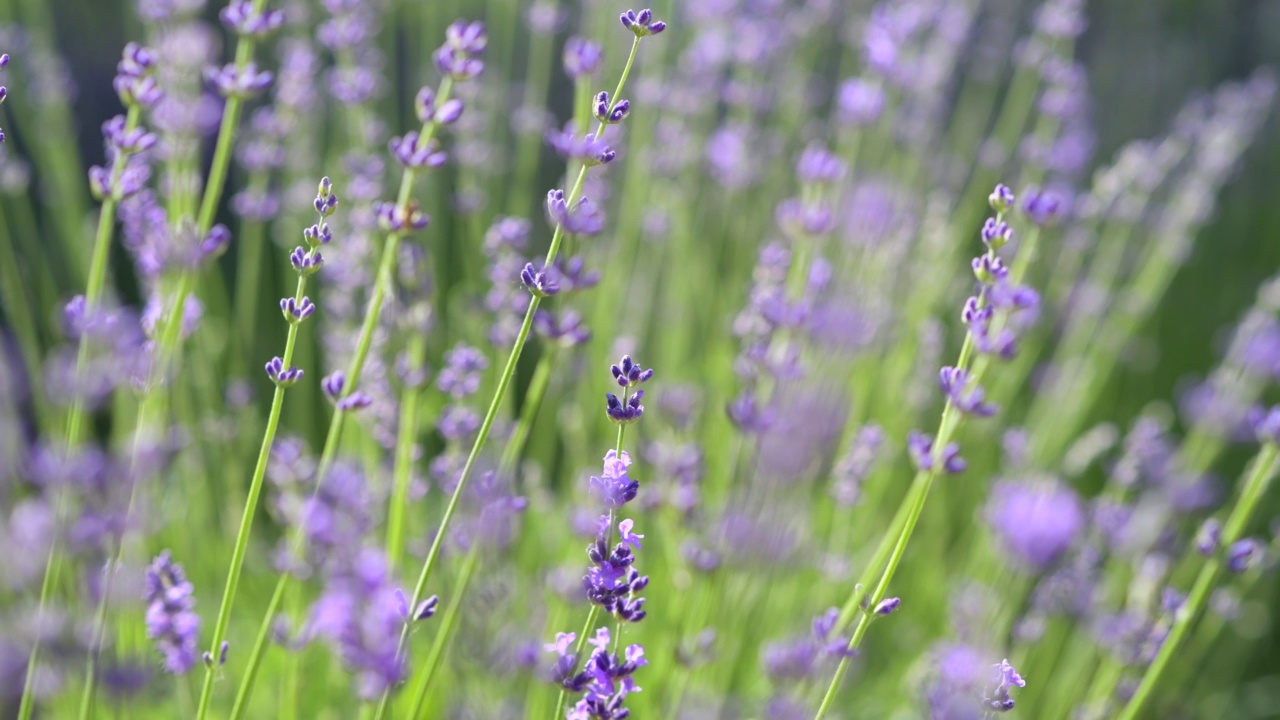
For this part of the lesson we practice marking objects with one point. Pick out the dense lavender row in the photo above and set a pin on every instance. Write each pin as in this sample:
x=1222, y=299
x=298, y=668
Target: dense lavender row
x=305, y=380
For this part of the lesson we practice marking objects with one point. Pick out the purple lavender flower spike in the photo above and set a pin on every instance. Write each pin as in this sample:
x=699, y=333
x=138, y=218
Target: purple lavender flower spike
x=171, y=619
x=1244, y=555
x=281, y=376
x=295, y=311
x=306, y=263
x=624, y=412
x=614, y=487
x=997, y=699
x=231, y=81
x=642, y=23
x=628, y=373
x=582, y=57
x=538, y=282
x=610, y=113
x=240, y=17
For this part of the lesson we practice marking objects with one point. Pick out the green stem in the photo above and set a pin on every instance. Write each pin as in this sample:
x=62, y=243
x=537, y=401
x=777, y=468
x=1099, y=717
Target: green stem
x=246, y=519
x=403, y=470
x=259, y=648
x=1255, y=487
x=449, y=624
x=504, y=381
x=386, y=270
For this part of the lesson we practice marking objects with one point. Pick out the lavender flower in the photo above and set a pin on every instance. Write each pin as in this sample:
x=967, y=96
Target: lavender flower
x=233, y=81
x=587, y=149
x=1244, y=555
x=171, y=619
x=613, y=487
x=920, y=447
x=1035, y=522
x=584, y=218
x=582, y=57
x=4, y=92
x=459, y=57
x=241, y=18
x=642, y=23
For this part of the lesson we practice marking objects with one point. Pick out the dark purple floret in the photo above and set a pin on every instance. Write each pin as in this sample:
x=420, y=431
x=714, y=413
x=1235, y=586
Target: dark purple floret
x=241, y=18
x=231, y=81
x=624, y=412
x=295, y=311
x=171, y=619
x=989, y=269
x=582, y=57
x=306, y=263
x=1006, y=678
x=1244, y=555
x=996, y=234
x=628, y=373
x=538, y=282
x=887, y=606
x=610, y=113
x=1001, y=199
x=281, y=376
x=642, y=23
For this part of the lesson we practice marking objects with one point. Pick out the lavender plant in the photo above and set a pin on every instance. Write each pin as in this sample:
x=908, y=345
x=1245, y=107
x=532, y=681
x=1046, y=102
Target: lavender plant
x=773, y=203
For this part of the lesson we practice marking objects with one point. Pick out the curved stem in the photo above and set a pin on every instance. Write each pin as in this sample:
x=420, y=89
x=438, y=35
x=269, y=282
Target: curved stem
x=246, y=518
x=1264, y=467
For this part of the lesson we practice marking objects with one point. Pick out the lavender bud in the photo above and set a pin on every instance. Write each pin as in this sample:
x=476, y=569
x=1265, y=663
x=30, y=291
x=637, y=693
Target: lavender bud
x=401, y=219
x=538, y=282
x=242, y=19
x=281, y=376
x=231, y=81
x=425, y=105
x=642, y=23
x=1244, y=555
x=295, y=311
x=306, y=263
x=887, y=606
x=1001, y=199
x=582, y=57
x=333, y=383
x=1209, y=537
x=449, y=112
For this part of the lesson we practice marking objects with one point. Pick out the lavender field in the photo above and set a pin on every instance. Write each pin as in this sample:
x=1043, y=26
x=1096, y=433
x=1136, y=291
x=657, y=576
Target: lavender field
x=729, y=359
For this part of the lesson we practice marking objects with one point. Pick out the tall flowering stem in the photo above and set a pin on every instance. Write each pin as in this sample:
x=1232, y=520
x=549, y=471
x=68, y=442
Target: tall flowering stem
x=307, y=261
x=987, y=333
x=137, y=90
x=508, y=371
x=1255, y=487
x=458, y=59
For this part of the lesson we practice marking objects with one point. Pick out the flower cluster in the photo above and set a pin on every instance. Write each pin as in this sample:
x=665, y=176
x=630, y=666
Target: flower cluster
x=629, y=376
x=171, y=618
x=306, y=261
x=605, y=680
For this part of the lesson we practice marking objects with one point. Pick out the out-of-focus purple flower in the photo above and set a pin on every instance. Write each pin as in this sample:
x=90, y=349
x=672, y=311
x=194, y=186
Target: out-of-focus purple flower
x=233, y=81
x=920, y=447
x=401, y=219
x=967, y=397
x=362, y=613
x=1244, y=555
x=241, y=18
x=460, y=56
x=582, y=57
x=1035, y=522
x=564, y=328
x=852, y=469
x=414, y=152
x=614, y=487
x=584, y=218
x=860, y=102
x=460, y=376
x=1044, y=207
x=1209, y=537
x=509, y=233
x=965, y=687
x=587, y=149
x=171, y=619
x=817, y=165
x=134, y=82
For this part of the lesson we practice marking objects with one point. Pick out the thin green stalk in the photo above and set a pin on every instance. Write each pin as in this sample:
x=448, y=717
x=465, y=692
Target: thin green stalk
x=246, y=519
x=1264, y=467
x=403, y=470
x=505, y=378
x=386, y=269
x=449, y=623
x=249, y=257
